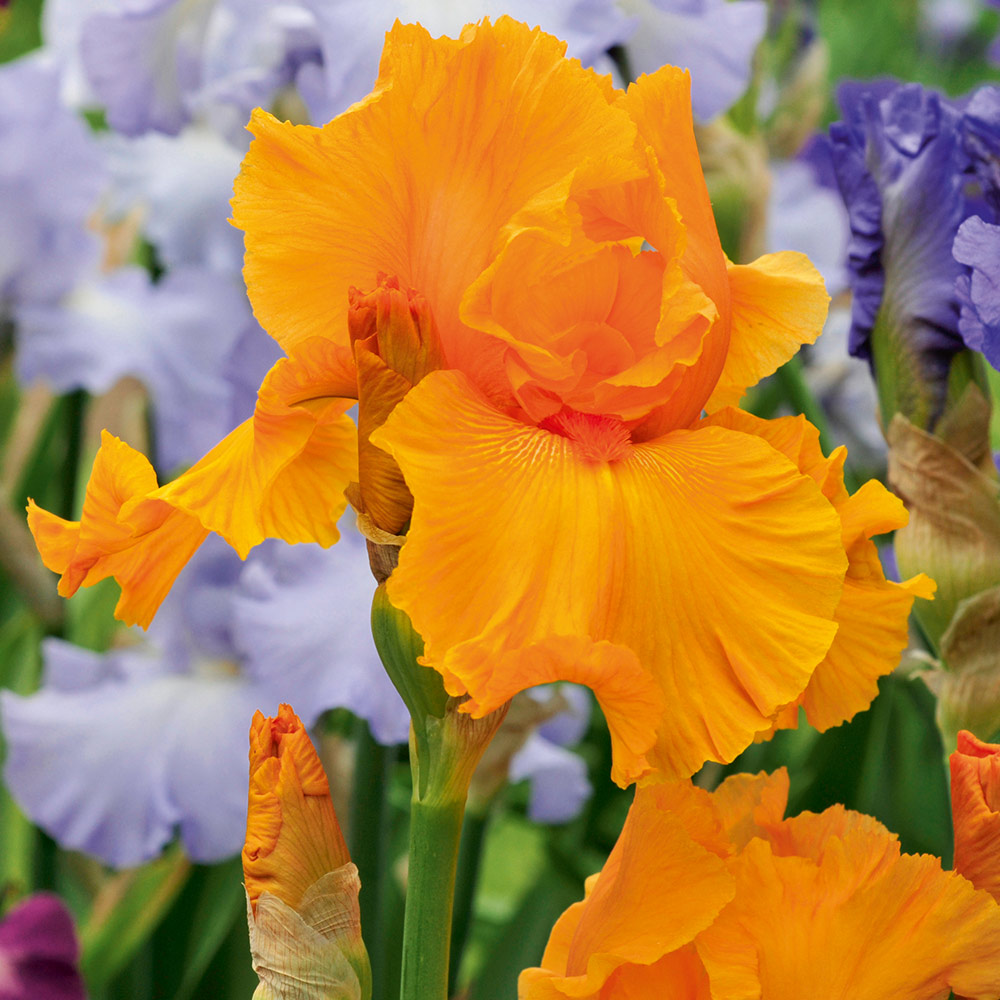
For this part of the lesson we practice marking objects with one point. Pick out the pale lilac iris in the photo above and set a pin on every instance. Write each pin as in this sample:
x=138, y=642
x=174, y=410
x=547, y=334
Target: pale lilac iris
x=157, y=65
x=714, y=39
x=118, y=751
x=52, y=176
x=188, y=337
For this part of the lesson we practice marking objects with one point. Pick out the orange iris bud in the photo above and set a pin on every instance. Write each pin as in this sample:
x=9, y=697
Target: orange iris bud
x=396, y=343
x=975, y=809
x=713, y=896
x=302, y=889
x=293, y=837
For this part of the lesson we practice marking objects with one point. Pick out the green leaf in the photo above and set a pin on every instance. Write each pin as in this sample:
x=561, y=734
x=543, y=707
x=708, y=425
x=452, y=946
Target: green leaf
x=19, y=668
x=519, y=944
x=220, y=903
x=126, y=912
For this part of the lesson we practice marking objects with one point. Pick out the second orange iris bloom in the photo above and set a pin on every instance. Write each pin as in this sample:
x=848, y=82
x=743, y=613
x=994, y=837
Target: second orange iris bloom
x=575, y=514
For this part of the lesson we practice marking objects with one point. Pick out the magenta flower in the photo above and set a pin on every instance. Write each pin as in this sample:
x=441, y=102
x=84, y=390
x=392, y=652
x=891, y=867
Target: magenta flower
x=39, y=951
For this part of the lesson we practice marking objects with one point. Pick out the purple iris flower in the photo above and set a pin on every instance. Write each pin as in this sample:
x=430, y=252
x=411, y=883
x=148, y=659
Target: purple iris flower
x=912, y=167
x=39, y=951
x=977, y=242
x=977, y=246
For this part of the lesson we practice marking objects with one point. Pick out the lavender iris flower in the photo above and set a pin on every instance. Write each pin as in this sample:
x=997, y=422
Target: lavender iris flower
x=38, y=952
x=977, y=245
x=180, y=186
x=558, y=776
x=804, y=214
x=51, y=178
x=180, y=336
x=157, y=65
x=714, y=39
x=118, y=750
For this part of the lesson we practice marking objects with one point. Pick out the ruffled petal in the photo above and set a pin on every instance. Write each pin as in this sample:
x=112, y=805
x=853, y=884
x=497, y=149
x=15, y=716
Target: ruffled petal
x=417, y=185
x=119, y=789
x=596, y=327
x=779, y=303
x=655, y=868
x=857, y=920
x=705, y=556
x=873, y=612
x=144, y=558
x=280, y=474
x=660, y=106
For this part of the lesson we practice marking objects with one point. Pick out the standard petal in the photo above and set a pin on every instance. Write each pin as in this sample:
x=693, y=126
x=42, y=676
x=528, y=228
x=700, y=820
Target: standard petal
x=779, y=303
x=704, y=555
x=416, y=184
x=660, y=106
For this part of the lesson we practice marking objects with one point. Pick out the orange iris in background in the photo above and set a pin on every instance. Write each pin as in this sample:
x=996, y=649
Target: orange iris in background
x=714, y=896
x=575, y=515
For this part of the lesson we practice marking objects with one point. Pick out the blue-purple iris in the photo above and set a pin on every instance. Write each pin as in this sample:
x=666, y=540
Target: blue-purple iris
x=977, y=243
x=915, y=170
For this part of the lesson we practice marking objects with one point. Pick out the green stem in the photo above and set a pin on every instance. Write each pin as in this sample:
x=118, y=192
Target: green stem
x=469, y=856
x=435, y=832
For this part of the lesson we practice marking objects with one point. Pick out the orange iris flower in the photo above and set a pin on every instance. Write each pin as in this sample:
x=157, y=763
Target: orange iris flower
x=575, y=515
x=713, y=896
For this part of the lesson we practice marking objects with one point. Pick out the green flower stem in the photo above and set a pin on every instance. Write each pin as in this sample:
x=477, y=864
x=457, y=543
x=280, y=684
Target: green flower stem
x=469, y=857
x=435, y=832
x=446, y=745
